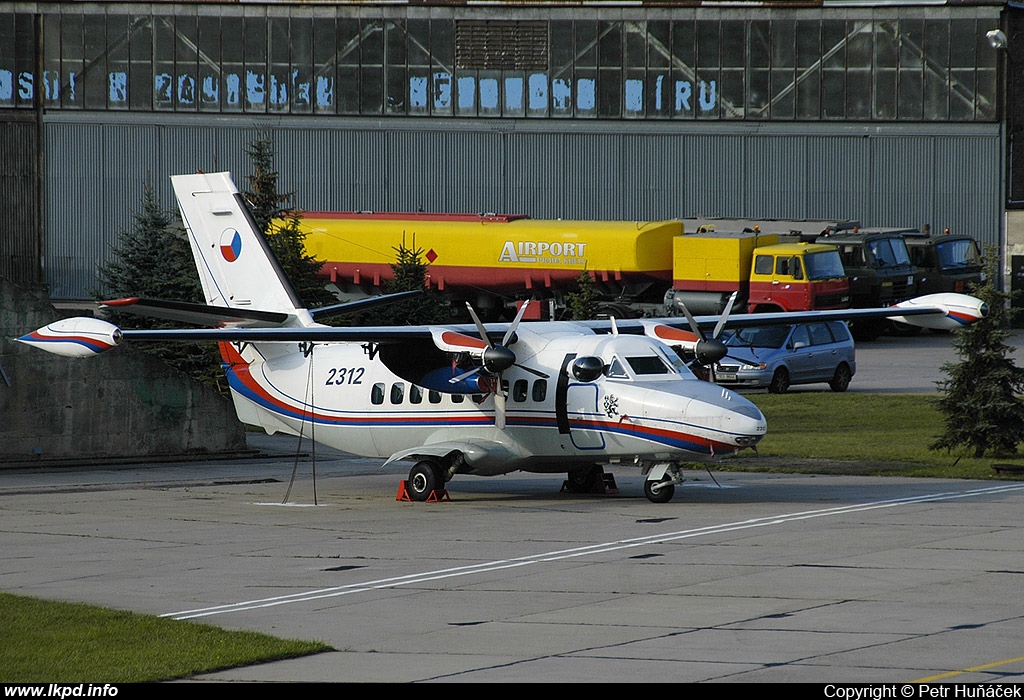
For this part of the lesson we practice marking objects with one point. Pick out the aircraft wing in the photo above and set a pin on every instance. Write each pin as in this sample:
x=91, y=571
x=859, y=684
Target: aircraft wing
x=940, y=311
x=83, y=337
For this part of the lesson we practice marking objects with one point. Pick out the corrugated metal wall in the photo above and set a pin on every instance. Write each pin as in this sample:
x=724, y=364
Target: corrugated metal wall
x=944, y=175
x=19, y=248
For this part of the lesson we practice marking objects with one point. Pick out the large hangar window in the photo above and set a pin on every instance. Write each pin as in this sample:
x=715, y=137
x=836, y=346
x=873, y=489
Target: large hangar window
x=846, y=64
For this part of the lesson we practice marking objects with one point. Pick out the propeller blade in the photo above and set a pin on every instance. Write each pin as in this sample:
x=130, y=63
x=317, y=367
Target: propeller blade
x=479, y=325
x=725, y=316
x=515, y=324
x=693, y=322
x=751, y=363
x=465, y=375
x=499, y=409
x=531, y=370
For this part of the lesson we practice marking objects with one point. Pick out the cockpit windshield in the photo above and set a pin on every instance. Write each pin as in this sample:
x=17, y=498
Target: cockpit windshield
x=640, y=366
x=648, y=365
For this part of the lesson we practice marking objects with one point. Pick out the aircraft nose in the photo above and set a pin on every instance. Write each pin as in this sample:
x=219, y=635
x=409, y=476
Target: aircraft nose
x=750, y=424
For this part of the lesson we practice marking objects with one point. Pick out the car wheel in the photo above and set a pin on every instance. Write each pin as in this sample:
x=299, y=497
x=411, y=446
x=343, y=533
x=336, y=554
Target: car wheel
x=780, y=381
x=841, y=378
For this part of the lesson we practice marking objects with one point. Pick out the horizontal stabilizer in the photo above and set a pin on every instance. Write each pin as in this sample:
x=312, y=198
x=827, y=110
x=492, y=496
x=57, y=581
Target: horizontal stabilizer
x=197, y=314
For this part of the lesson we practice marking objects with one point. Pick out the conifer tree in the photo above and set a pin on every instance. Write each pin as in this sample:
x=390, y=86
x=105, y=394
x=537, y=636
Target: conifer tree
x=981, y=402
x=583, y=302
x=282, y=225
x=410, y=273
x=152, y=259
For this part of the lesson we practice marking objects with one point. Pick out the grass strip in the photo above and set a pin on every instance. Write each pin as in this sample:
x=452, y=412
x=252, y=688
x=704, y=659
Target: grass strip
x=889, y=434
x=53, y=642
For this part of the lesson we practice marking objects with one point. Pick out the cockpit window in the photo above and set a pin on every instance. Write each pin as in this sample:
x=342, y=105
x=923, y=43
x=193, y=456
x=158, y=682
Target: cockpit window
x=616, y=370
x=648, y=364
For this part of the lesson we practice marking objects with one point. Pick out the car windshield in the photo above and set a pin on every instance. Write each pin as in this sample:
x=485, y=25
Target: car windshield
x=764, y=337
x=824, y=266
x=957, y=254
x=889, y=252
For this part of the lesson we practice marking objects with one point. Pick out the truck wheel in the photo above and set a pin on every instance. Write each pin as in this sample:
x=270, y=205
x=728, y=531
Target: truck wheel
x=867, y=330
x=841, y=378
x=904, y=330
x=780, y=381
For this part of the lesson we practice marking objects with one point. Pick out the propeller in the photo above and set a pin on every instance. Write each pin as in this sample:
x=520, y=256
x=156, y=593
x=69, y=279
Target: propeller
x=496, y=358
x=708, y=351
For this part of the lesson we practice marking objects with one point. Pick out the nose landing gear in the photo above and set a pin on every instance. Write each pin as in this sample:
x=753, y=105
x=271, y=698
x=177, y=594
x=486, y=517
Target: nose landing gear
x=661, y=480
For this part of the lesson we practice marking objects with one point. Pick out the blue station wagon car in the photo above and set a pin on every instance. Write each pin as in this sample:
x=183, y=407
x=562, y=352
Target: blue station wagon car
x=780, y=356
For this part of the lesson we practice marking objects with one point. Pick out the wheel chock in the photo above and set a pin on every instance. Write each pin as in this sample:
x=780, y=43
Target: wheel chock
x=610, y=486
x=436, y=496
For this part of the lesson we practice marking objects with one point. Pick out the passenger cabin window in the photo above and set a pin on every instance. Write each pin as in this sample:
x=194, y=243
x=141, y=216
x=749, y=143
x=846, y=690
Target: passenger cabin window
x=458, y=398
x=540, y=390
x=415, y=394
x=434, y=396
x=519, y=390
x=377, y=394
x=397, y=392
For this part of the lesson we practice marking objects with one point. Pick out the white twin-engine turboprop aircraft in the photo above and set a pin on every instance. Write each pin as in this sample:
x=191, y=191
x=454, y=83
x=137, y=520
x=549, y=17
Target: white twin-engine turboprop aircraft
x=560, y=397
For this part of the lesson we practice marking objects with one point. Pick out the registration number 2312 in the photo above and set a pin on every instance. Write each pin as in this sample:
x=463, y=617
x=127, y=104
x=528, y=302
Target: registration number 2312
x=345, y=375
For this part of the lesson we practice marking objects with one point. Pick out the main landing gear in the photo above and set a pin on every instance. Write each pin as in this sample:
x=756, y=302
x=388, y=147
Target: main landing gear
x=426, y=482
x=590, y=479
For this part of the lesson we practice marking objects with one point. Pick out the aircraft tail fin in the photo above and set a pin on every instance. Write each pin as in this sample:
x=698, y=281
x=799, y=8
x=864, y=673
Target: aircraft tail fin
x=236, y=266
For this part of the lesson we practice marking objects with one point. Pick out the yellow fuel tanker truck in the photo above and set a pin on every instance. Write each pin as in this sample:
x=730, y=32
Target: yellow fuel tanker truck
x=638, y=267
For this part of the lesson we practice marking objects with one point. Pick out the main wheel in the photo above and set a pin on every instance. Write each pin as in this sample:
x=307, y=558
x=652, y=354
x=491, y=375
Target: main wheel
x=841, y=378
x=659, y=491
x=424, y=478
x=780, y=381
x=584, y=480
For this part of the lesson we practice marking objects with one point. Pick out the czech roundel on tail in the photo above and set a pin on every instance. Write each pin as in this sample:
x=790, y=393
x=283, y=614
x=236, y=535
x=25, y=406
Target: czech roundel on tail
x=548, y=397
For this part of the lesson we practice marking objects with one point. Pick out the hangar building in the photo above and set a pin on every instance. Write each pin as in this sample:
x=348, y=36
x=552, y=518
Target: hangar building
x=896, y=113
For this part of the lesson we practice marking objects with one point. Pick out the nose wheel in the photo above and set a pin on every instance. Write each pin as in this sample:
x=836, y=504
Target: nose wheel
x=660, y=481
x=660, y=491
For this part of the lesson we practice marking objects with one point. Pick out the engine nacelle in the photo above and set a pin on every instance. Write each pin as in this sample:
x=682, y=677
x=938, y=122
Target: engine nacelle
x=75, y=337
x=960, y=310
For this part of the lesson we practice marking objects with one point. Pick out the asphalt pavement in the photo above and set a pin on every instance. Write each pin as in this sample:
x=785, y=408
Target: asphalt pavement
x=740, y=578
